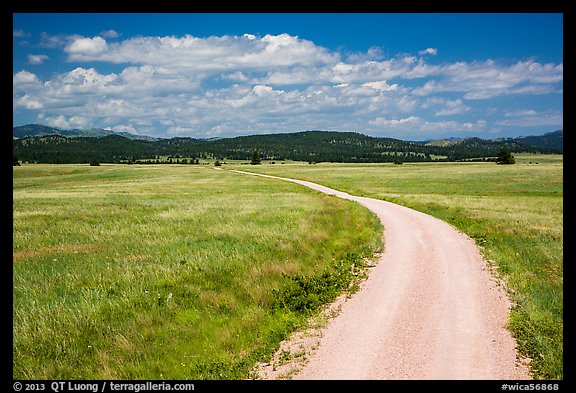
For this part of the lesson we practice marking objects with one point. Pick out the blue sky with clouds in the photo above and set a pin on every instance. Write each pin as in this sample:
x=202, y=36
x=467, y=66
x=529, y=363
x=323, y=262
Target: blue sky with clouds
x=407, y=76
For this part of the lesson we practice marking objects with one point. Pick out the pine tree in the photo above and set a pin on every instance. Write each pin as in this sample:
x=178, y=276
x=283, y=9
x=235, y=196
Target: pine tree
x=505, y=157
x=255, y=158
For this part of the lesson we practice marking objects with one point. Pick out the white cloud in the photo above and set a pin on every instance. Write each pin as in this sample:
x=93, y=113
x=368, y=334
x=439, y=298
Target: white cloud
x=114, y=107
x=235, y=76
x=483, y=80
x=58, y=121
x=26, y=102
x=24, y=78
x=17, y=33
x=37, y=59
x=87, y=77
x=55, y=41
x=109, y=34
x=428, y=51
x=80, y=47
x=381, y=85
x=262, y=90
x=212, y=53
x=342, y=72
x=396, y=123
x=418, y=125
x=179, y=130
x=124, y=128
x=233, y=84
x=63, y=122
x=453, y=107
x=532, y=118
x=78, y=121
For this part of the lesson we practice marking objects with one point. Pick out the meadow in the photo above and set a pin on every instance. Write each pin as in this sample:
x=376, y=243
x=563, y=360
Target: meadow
x=513, y=212
x=171, y=271
x=187, y=272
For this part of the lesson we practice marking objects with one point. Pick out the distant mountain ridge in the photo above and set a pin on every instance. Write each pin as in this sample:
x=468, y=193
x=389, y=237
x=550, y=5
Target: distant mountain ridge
x=552, y=140
x=311, y=146
x=41, y=130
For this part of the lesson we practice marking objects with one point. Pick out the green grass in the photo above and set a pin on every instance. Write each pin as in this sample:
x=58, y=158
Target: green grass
x=170, y=271
x=514, y=213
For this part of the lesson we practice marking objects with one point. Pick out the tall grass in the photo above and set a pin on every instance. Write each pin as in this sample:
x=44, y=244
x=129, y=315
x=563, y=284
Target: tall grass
x=170, y=272
x=514, y=213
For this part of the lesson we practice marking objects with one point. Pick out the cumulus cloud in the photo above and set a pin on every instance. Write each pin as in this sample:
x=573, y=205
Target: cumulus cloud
x=420, y=126
x=211, y=53
x=27, y=102
x=394, y=123
x=531, y=117
x=249, y=83
x=81, y=47
x=64, y=122
x=24, y=78
x=55, y=41
x=37, y=59
x=265, y=91
x=404, y=67
x=482, y=80
x=124, y=128
x=17, y=33
x=87, y=79
x=428, y=51
x=109, y=34
x=452, y=107
x=381, y=85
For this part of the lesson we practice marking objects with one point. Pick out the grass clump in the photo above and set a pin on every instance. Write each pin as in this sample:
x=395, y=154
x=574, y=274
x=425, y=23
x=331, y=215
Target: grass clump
x=305, y=294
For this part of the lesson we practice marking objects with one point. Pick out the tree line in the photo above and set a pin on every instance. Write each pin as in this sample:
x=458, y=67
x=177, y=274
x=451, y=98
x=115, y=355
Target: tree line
x=310, y=146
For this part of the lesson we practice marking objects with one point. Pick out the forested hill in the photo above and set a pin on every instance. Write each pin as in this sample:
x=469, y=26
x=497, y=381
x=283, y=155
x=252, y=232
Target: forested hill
x=40, y=130
x=311, y=146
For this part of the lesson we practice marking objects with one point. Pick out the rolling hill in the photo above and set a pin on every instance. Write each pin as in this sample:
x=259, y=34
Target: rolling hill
x=553, y=140
x=311, y=146
x=41, y=130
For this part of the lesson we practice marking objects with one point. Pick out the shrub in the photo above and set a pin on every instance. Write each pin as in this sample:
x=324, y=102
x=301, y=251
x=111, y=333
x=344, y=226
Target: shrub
x=304, y=294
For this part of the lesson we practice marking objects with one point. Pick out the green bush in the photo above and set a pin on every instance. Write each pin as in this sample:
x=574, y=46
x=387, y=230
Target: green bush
x=304, y=294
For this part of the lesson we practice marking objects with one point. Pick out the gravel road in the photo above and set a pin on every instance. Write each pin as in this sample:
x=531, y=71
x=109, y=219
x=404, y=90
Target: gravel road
x=430, y=309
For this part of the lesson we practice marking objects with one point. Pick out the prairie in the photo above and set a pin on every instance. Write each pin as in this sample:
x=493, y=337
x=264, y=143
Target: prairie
x=175, y=272
x=168, y=271
x=513, y=212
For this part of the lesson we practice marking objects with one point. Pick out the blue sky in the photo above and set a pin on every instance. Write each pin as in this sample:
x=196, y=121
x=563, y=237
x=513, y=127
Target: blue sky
x=406, y=76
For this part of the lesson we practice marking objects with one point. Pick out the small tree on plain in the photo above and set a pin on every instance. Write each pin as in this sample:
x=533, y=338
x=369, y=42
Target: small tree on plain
x=505, y=157
x=255, y=158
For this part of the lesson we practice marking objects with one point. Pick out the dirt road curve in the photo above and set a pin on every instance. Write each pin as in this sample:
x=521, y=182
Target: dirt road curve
x=430, y=309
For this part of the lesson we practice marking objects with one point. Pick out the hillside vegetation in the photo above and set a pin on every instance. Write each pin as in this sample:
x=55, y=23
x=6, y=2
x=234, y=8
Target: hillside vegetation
x=309, y=146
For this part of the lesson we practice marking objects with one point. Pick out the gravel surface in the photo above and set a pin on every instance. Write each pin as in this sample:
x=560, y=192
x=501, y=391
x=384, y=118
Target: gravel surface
x=430, y=309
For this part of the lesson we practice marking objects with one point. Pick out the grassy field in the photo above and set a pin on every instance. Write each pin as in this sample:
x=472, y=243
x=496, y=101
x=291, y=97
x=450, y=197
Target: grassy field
x=170, y=271
x=514, y=213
